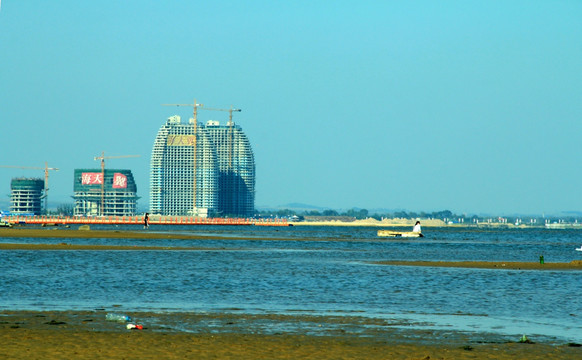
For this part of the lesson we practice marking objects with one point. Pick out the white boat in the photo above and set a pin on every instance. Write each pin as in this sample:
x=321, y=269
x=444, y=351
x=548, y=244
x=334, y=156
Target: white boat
x=390, y=233
x=579, y=249
x=5, y=224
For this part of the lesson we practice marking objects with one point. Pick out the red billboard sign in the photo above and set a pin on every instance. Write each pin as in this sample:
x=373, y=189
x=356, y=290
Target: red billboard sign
x=91, y=179
x=94, y=178
x=119, y=181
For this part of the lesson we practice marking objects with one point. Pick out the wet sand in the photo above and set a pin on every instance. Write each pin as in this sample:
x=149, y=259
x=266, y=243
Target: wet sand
x=20, y=232
x=56, y=233
x=69, y=335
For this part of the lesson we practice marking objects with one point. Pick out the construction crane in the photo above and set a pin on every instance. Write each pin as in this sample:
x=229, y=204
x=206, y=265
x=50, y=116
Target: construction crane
x=195, y=105
x=102, y=158
x=230, y=124
x=46, y=176
x=230, y=111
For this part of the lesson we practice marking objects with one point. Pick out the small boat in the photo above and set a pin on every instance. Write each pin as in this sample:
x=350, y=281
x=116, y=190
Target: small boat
x=579, y=249
x=5, y=224
x=390, y=233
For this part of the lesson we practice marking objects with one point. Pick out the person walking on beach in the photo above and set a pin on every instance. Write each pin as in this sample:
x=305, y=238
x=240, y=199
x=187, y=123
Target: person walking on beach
x=146, y=221
x=416, y=227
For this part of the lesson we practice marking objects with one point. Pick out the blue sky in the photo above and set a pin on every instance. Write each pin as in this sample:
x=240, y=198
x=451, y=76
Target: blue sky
x=470, y=106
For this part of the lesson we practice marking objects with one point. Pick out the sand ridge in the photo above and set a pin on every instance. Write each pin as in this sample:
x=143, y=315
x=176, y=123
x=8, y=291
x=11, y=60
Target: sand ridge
x=496, y=265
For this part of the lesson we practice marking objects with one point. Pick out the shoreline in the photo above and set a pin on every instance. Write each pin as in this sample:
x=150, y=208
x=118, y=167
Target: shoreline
x=86, y=334
x=369, y=222
x=426, y=223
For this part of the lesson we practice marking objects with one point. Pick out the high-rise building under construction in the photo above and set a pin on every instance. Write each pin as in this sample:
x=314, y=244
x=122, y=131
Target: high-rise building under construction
x=104, y=192
x=202, y=170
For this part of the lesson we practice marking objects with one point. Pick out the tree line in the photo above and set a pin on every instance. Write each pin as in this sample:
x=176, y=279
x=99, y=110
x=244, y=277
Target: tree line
x=359, y=214
x=445, y=215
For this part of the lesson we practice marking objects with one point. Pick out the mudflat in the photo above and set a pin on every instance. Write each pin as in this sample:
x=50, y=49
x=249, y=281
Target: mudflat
x=56, y=232
x=87, y=335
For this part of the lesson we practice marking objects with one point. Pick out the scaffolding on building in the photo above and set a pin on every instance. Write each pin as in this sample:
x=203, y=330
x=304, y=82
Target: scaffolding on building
x=114, y=194
x=26, y=196
x=183, y=176
x=236, y=169
x=218, y=179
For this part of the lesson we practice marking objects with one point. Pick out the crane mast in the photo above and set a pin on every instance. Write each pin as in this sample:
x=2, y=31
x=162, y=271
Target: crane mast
x=46, y=177
x=230, y=134
x=195, y=105
x=102, y=158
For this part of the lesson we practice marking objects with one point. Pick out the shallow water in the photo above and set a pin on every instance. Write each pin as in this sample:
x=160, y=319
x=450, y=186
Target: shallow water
x=315, y=270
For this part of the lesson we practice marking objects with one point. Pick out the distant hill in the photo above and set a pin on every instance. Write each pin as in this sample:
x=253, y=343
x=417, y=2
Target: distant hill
x=299, y=207
x=291, y=206
x=572, y=213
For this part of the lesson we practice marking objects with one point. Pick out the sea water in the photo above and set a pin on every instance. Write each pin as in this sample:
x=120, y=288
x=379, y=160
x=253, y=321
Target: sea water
x=316, y=271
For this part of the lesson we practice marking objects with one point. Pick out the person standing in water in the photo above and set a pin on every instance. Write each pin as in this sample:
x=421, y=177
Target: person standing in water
x=416, y=227
x=146, y=221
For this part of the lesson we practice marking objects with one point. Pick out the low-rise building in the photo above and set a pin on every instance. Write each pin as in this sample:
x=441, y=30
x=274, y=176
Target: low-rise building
x=26, y=196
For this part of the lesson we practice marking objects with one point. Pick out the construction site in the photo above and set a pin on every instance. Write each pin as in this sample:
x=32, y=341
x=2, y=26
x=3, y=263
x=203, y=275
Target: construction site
x=27, y=194
x=202, y=170
x=196, y=171
x=110, y=192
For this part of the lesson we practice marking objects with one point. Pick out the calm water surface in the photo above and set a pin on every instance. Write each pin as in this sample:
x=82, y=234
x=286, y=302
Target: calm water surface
x=314, y=270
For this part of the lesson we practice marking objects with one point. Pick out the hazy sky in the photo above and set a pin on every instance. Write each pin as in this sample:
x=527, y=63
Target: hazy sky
x=470, y=106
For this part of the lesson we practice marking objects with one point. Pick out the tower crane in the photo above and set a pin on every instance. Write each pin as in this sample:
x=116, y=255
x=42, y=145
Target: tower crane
x=230, y=123
x=195, y=105
x=230, y=111
x=102, y=158
x=46, y=176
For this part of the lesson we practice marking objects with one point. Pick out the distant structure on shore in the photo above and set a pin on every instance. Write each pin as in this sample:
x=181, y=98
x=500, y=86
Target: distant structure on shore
x=26, y=196
x=109, y=192
x=202, y=170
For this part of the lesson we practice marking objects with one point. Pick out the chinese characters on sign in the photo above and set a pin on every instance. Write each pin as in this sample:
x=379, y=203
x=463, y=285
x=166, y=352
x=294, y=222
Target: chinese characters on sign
x=119, y=180
x=181, y=140
x=91, y=179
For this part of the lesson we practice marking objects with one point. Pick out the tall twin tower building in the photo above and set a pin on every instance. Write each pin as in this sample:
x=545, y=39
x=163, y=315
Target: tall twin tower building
x=202, y=170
